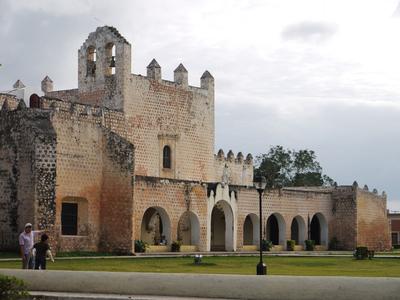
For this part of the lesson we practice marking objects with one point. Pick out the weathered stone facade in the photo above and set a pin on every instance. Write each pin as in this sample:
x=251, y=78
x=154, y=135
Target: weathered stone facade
x=126, y=157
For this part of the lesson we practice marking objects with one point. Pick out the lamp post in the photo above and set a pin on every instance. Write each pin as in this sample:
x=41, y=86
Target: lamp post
x=260, y=183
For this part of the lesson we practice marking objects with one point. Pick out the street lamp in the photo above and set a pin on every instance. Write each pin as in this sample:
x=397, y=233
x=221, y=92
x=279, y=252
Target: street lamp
x=259, y=183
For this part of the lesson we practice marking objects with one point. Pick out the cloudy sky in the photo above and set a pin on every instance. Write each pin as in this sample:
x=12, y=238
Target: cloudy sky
x=322, y=75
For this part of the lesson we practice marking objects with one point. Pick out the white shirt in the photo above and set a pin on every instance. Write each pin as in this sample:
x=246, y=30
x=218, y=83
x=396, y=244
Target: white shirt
x=26, y=240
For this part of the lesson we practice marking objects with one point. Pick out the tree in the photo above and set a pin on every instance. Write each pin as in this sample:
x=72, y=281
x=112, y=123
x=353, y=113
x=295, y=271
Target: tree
x=285, y=167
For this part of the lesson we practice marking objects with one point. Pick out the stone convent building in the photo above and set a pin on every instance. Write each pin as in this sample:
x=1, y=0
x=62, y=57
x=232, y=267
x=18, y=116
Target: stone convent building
x=126, y=157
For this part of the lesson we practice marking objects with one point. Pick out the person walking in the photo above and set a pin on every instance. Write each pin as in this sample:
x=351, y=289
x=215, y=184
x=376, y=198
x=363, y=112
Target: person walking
x=26, y=239
x=41, y=250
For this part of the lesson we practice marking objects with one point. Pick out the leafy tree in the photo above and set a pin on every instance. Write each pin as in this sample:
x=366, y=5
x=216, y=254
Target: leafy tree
x=285, y=167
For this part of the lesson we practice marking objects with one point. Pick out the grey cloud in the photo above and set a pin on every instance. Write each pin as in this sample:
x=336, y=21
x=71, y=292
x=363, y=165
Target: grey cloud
x=308, y=31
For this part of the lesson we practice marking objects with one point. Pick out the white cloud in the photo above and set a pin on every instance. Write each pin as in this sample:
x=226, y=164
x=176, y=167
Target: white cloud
x=307, y=31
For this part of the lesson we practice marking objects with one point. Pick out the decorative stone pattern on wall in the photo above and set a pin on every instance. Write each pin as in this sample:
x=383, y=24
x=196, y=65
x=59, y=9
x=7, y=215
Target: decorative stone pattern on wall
x=155, y=109
x=27, y=174
x=288, y=202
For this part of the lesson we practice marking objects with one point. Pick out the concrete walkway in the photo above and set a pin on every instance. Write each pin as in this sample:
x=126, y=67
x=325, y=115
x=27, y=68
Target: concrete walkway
x=87, y=296
x=211, y=286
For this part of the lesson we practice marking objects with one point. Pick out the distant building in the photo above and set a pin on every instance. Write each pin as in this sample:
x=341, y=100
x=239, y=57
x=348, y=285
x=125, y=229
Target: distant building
x=22, y=92
x=126, y=157
x=394, y=218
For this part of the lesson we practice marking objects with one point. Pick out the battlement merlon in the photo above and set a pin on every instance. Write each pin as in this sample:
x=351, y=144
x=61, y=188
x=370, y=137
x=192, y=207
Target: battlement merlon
x=230, y=157
x=180, y=77
x=234, y=170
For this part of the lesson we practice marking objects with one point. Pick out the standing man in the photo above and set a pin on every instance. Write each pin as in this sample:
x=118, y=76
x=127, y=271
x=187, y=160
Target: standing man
x=26, y=239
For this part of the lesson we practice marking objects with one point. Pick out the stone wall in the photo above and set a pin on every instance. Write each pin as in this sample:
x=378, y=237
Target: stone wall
x=27, y=173
x=65, y=95
x=117, y=195
x=174, y=198
x=165, y=113
x=372, y=222
x=94, y=170
x=287, y=203
x=344, y=207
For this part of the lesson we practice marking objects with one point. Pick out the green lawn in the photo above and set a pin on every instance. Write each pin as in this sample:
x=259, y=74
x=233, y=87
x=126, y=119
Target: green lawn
x=318, y=266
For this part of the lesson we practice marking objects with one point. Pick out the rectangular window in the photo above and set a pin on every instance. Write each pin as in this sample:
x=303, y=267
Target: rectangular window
x=69, y=219
x=394, y=238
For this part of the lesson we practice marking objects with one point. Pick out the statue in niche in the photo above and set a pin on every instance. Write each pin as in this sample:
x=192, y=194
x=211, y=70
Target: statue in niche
x=225, y=176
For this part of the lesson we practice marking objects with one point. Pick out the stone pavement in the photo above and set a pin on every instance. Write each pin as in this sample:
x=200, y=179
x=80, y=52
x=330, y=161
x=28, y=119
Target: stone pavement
x=210, y=285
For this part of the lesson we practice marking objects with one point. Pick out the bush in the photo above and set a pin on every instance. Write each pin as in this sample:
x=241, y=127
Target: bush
x=290, y=245
x=176, y=246
x=334, y=244
x=12, y=288
x=140, y=246
x=362, y=252
x=310, y=245
x=266, y=245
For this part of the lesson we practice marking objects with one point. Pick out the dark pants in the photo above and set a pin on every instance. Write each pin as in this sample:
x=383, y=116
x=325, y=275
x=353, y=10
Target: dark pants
x=40, y=262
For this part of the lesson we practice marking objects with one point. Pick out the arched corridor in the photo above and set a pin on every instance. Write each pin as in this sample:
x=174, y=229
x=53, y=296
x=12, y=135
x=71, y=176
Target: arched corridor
x=189, y=229
x=251, y=229
x=298, y=230
x=319, y=229
x=275, y=229
x=222, y=227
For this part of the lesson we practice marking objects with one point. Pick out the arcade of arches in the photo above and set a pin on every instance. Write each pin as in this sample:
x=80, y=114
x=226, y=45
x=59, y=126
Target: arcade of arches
x=156, y=228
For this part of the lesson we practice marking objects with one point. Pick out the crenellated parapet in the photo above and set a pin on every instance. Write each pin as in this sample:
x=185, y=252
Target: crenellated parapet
x=231, y=169
x=181, y=77
x=113, y=120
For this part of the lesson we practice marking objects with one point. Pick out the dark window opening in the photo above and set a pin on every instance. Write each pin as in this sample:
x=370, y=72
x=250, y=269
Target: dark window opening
x=167, y=157
x=110, y=59
x=91, y=61
x=34, y=101
x=273, y=230
x=316, y=230
x=69, y=219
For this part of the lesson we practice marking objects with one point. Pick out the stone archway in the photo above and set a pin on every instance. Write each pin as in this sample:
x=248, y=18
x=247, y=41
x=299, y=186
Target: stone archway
x=189, y=229
x=298, y=230
x=319, y=229
x=222, y=225
x=156, y=226
x=275, y=229
x=251, y=229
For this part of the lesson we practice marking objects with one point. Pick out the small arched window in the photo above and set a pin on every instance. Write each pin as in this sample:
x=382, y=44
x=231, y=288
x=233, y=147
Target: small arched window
x=110, y=59
x=91, y=61
x=167, y=157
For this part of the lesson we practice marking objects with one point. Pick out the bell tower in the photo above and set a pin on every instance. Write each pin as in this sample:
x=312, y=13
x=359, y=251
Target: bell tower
x=104, y=68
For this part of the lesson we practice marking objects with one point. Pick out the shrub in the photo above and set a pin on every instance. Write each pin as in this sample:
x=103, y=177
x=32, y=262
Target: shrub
x=12, y=288
x=362, y=252
x=290, y=245
x=140, y=246
x=176, y=246
x=266, y=245
x=334, y=244
x=310, y=245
